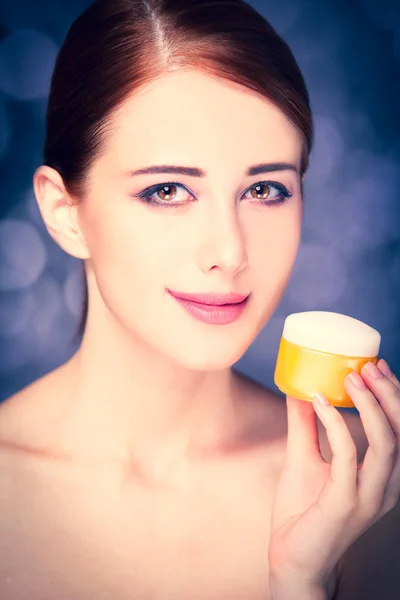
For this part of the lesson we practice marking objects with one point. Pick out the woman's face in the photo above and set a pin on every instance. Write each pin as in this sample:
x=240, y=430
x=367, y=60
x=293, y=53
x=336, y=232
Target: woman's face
x=202, y=234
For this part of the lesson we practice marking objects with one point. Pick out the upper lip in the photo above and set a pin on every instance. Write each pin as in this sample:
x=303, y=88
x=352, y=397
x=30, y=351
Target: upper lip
x=211, y=298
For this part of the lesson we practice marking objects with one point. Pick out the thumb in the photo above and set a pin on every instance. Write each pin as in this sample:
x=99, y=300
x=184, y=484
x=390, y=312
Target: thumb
x=302, y=434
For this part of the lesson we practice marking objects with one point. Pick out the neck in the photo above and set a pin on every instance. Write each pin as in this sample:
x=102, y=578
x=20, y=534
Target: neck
x=128, y=402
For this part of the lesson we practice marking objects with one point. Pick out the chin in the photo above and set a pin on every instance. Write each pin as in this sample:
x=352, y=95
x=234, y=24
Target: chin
x=205, y=358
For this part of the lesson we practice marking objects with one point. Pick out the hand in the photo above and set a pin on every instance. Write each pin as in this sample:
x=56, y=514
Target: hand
x=321, y=508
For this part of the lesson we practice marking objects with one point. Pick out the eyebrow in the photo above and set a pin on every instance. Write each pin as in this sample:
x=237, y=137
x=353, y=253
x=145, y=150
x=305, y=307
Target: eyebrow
x=196, y=172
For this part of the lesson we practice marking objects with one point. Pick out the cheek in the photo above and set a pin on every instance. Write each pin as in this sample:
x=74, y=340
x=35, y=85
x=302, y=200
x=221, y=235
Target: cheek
x=273, y=260
x=272, y=267
x=275, y=241
x=129, y=265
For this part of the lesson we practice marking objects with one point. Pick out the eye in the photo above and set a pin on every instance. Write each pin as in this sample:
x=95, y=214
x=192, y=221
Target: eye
x=261, y=191
x=166, y=193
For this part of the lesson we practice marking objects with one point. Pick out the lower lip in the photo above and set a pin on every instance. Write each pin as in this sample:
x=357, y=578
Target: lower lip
x=216, y=315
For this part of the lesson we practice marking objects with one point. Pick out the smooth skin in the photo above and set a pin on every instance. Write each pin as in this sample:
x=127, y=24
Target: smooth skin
x=320, y=509
x=169, y=375
x=150, y=388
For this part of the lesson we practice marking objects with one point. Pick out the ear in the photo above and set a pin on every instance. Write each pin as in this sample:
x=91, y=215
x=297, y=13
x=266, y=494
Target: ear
x=59, y=211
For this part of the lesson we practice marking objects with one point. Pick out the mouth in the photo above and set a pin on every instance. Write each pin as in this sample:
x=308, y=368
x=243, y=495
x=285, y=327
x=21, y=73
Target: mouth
x=211, y=298
x=213, y=309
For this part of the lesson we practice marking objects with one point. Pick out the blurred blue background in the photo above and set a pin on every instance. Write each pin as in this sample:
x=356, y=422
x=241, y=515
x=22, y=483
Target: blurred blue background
x=349, y=258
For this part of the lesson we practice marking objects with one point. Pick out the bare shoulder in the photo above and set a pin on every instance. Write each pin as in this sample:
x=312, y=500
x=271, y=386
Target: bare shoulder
x=265, y=406
x=21, y=439
x=264, y=422
x=269, y=409
x=26, y=415
x=22, y=423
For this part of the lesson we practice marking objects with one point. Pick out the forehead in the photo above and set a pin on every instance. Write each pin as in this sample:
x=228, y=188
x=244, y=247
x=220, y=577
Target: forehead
x=191, y=115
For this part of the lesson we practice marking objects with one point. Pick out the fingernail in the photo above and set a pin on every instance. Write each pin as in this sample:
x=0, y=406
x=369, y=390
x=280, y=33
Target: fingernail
x=357, y=381
x=373, y=370
x=384, y=367
x=321, y=399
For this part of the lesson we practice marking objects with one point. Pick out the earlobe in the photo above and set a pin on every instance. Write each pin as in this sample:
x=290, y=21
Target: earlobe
x=59, y=212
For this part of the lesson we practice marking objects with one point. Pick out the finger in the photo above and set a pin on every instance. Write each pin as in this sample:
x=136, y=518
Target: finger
x=340, y=491
x=392, y=492
x=384, y=367
x=374, y=472
x=387, y=391
x=302, y=434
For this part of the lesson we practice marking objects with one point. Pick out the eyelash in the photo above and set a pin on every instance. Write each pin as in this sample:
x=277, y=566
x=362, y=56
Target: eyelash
x=146, y=194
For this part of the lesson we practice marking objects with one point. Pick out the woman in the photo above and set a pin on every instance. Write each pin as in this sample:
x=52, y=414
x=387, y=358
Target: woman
x=178, y=136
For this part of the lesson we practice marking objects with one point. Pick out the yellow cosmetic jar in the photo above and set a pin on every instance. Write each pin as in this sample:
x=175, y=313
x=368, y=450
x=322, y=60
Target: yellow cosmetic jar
x=318, y=349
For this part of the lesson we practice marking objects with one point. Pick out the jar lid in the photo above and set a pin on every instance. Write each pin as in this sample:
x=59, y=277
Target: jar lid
x=331, y=332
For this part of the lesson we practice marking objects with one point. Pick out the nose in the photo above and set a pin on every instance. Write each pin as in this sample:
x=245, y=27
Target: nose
x=224, y=244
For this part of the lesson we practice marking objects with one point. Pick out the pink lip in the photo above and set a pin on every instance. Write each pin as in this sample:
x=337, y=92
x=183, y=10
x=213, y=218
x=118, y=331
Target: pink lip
x=212, y=313
x=210, y=299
